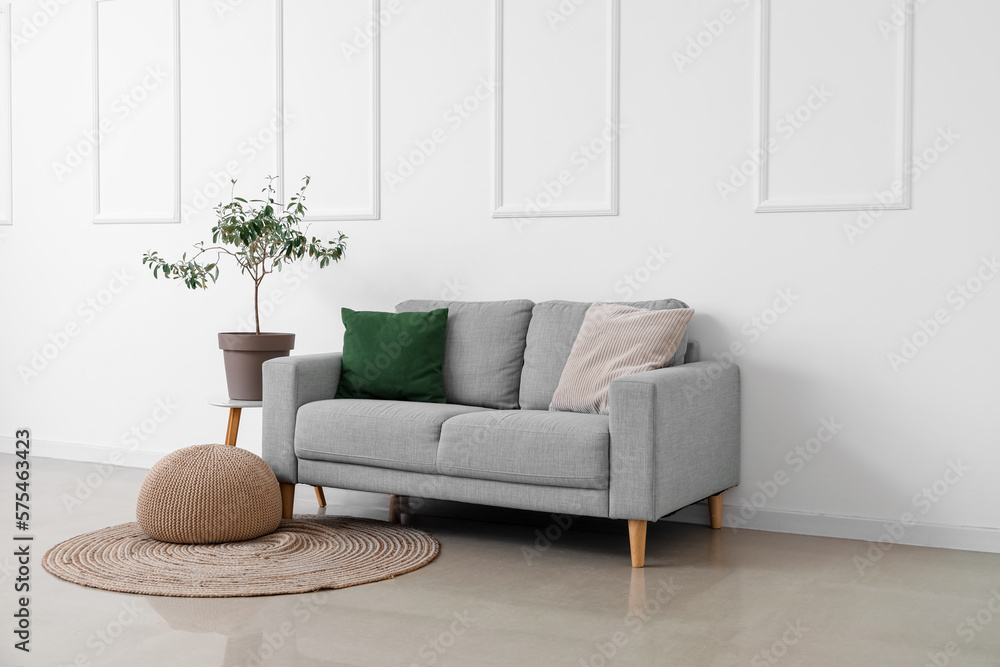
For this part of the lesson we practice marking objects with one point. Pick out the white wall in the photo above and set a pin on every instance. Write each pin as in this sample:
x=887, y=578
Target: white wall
x=684, y=130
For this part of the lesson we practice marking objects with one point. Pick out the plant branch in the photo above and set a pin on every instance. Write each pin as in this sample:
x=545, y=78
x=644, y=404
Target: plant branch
x=260, y=235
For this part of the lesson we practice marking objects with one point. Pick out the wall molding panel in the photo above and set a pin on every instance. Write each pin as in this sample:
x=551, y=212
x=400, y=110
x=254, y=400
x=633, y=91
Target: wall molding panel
x=122, y=121
x=902, y=133
x=502, y=208
x=331, y=210
x=6, y=120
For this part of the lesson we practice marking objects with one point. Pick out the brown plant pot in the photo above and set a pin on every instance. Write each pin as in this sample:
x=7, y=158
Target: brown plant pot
x=245, y=354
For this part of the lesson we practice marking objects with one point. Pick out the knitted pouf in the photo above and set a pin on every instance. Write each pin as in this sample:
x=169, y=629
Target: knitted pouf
x=209, y=494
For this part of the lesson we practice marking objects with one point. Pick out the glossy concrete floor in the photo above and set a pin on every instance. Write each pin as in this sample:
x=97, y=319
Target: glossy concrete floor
x=499, y=595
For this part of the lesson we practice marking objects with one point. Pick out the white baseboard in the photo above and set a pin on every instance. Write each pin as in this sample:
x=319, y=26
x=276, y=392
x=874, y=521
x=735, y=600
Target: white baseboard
x=47, y=449
x=966, y=538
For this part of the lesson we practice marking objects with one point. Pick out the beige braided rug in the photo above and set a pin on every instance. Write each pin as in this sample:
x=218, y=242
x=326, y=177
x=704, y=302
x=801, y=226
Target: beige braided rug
x=305, y=554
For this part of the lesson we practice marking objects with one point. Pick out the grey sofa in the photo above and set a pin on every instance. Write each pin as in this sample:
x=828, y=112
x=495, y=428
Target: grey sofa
x=671, y=438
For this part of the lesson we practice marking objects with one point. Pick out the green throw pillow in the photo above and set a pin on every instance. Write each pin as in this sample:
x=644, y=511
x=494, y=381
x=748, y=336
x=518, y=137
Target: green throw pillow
x=394, y=356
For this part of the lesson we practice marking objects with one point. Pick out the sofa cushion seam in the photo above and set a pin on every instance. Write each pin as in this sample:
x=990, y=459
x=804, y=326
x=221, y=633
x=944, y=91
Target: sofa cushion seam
x=354, y=456
x=441, y=466
x=406, y=419
x=543, y=433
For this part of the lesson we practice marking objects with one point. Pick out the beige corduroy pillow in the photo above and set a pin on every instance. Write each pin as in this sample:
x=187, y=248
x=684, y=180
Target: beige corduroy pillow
x=615, y=341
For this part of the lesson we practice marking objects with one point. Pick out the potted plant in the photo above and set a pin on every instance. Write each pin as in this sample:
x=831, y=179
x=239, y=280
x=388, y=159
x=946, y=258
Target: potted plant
x=261, y=236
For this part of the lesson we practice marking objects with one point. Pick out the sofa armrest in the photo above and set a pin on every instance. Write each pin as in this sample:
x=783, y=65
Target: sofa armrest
x=290, y=383
x=675, y=438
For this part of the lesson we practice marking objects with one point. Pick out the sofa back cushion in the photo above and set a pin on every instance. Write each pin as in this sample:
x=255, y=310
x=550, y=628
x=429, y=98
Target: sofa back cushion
x=484, y=351
x=551, y=334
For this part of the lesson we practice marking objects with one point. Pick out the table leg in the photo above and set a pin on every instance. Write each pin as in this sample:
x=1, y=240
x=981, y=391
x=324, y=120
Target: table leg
x=234, y=426
x=233, y=429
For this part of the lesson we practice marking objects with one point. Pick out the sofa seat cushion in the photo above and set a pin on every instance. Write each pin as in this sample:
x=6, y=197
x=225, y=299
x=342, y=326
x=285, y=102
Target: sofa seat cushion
x=527, y=446
x=401, y=435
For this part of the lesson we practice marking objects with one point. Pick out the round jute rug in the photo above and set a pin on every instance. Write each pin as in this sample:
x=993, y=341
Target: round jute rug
x=307, y=553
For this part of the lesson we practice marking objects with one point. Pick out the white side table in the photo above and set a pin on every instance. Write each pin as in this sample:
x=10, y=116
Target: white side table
x=233, y=429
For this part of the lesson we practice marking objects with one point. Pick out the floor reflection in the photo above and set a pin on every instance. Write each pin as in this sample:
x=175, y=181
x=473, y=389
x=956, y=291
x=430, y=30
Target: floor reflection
x=637, y=592
x=259, y=630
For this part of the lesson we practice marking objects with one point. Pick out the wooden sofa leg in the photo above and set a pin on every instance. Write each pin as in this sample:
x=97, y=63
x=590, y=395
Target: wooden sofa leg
x=320, y=496
x=395, y=509
x=287, y=500
x=715, y=510
x=637, y=540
